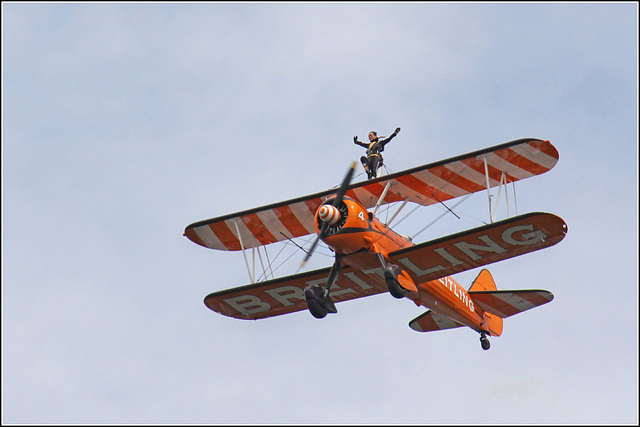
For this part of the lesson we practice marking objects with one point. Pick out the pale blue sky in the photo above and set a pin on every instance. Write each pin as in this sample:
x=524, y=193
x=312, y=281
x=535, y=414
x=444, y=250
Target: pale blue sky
x=124, y=123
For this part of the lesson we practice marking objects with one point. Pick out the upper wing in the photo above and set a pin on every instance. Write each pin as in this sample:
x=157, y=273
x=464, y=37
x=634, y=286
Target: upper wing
x=426, y=185
x=507, y=303
x=286, y=295
x=458, y=176
x=480, y=246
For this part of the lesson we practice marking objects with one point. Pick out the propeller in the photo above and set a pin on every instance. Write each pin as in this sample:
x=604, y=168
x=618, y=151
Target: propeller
x=335, y=203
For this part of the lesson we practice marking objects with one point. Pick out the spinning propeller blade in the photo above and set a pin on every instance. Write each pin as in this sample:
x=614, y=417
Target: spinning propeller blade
x=345, y=184
x=336, y=202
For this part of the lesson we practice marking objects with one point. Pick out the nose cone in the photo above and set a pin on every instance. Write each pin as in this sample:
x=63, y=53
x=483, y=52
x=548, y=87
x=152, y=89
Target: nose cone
x=329, y=214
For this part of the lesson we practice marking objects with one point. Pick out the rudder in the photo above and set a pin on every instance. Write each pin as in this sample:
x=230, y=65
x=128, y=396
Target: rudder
x=484, y=282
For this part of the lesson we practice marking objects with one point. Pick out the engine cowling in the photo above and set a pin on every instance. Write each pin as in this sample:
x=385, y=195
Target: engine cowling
x=333, y=217
x=356, y=234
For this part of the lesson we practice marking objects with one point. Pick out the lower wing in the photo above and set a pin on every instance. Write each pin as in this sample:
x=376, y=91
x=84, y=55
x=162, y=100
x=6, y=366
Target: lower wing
x=428, y=261
x=286, y=295
x=480, y=246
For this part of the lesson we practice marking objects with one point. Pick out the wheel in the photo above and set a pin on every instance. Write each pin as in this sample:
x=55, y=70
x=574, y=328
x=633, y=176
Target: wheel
x=395, y=289
x=484, y=342
x=313, y=296
x=317, y=310
x=391, y=273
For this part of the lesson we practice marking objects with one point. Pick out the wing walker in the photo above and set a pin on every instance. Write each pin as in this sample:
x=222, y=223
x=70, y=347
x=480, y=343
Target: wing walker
x=371, y=258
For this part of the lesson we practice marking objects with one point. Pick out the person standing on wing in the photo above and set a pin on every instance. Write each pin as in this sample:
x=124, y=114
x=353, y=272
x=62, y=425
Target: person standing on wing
x=374, y=160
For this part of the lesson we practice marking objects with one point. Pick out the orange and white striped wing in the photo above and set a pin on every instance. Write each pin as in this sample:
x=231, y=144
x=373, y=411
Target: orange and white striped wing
x=258, y=227
x=455, y=177
x=426, y=185
x=508, y=302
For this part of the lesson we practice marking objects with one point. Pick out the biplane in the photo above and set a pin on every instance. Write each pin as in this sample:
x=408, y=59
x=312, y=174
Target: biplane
x=371, y=258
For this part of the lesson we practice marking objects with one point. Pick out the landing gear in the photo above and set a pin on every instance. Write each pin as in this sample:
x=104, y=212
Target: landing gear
x=391, y=273
x=317, y=297
x=484, y=341
x=318, y=303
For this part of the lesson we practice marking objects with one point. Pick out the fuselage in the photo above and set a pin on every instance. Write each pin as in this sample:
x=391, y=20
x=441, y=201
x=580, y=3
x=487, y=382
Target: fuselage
x=359, y=237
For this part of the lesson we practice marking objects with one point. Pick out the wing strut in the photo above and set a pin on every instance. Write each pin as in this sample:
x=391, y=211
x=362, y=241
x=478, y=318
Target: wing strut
x=486, y=175
x=382, y=196
x=264, y=270
x=504, y=181
x=268, y=262
x=246, y=261
x=441, y=215
x=397, y=212
x=515, y=200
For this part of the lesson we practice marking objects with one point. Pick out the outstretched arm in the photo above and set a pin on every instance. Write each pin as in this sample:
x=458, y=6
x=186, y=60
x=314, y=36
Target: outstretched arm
x=393, y=135
x=362, y=144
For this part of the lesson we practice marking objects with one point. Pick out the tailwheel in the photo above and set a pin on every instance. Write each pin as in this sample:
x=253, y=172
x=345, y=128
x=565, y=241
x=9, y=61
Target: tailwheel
x=318, y=303
x=484, y=341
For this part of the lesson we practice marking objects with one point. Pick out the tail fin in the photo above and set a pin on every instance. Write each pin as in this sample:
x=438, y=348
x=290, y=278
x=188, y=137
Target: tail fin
x=485, y=282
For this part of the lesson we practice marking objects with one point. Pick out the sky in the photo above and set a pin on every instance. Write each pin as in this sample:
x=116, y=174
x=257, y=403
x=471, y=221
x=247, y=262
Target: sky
x=122, y=123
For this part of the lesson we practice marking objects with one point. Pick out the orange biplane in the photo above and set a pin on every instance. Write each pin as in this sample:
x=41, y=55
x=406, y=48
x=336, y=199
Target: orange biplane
x=370, y=258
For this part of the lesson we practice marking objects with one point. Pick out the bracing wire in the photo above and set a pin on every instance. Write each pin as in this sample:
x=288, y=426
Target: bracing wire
x=299, y=248
x=442, y=215
x=407, y=215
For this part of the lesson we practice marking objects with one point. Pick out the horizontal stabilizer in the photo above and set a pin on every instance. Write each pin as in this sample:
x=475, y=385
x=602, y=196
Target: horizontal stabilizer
x=431, y=321
x=508, y=303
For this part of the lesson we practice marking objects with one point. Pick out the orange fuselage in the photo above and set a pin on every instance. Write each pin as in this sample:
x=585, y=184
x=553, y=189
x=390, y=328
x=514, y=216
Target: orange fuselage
x=361, y=237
